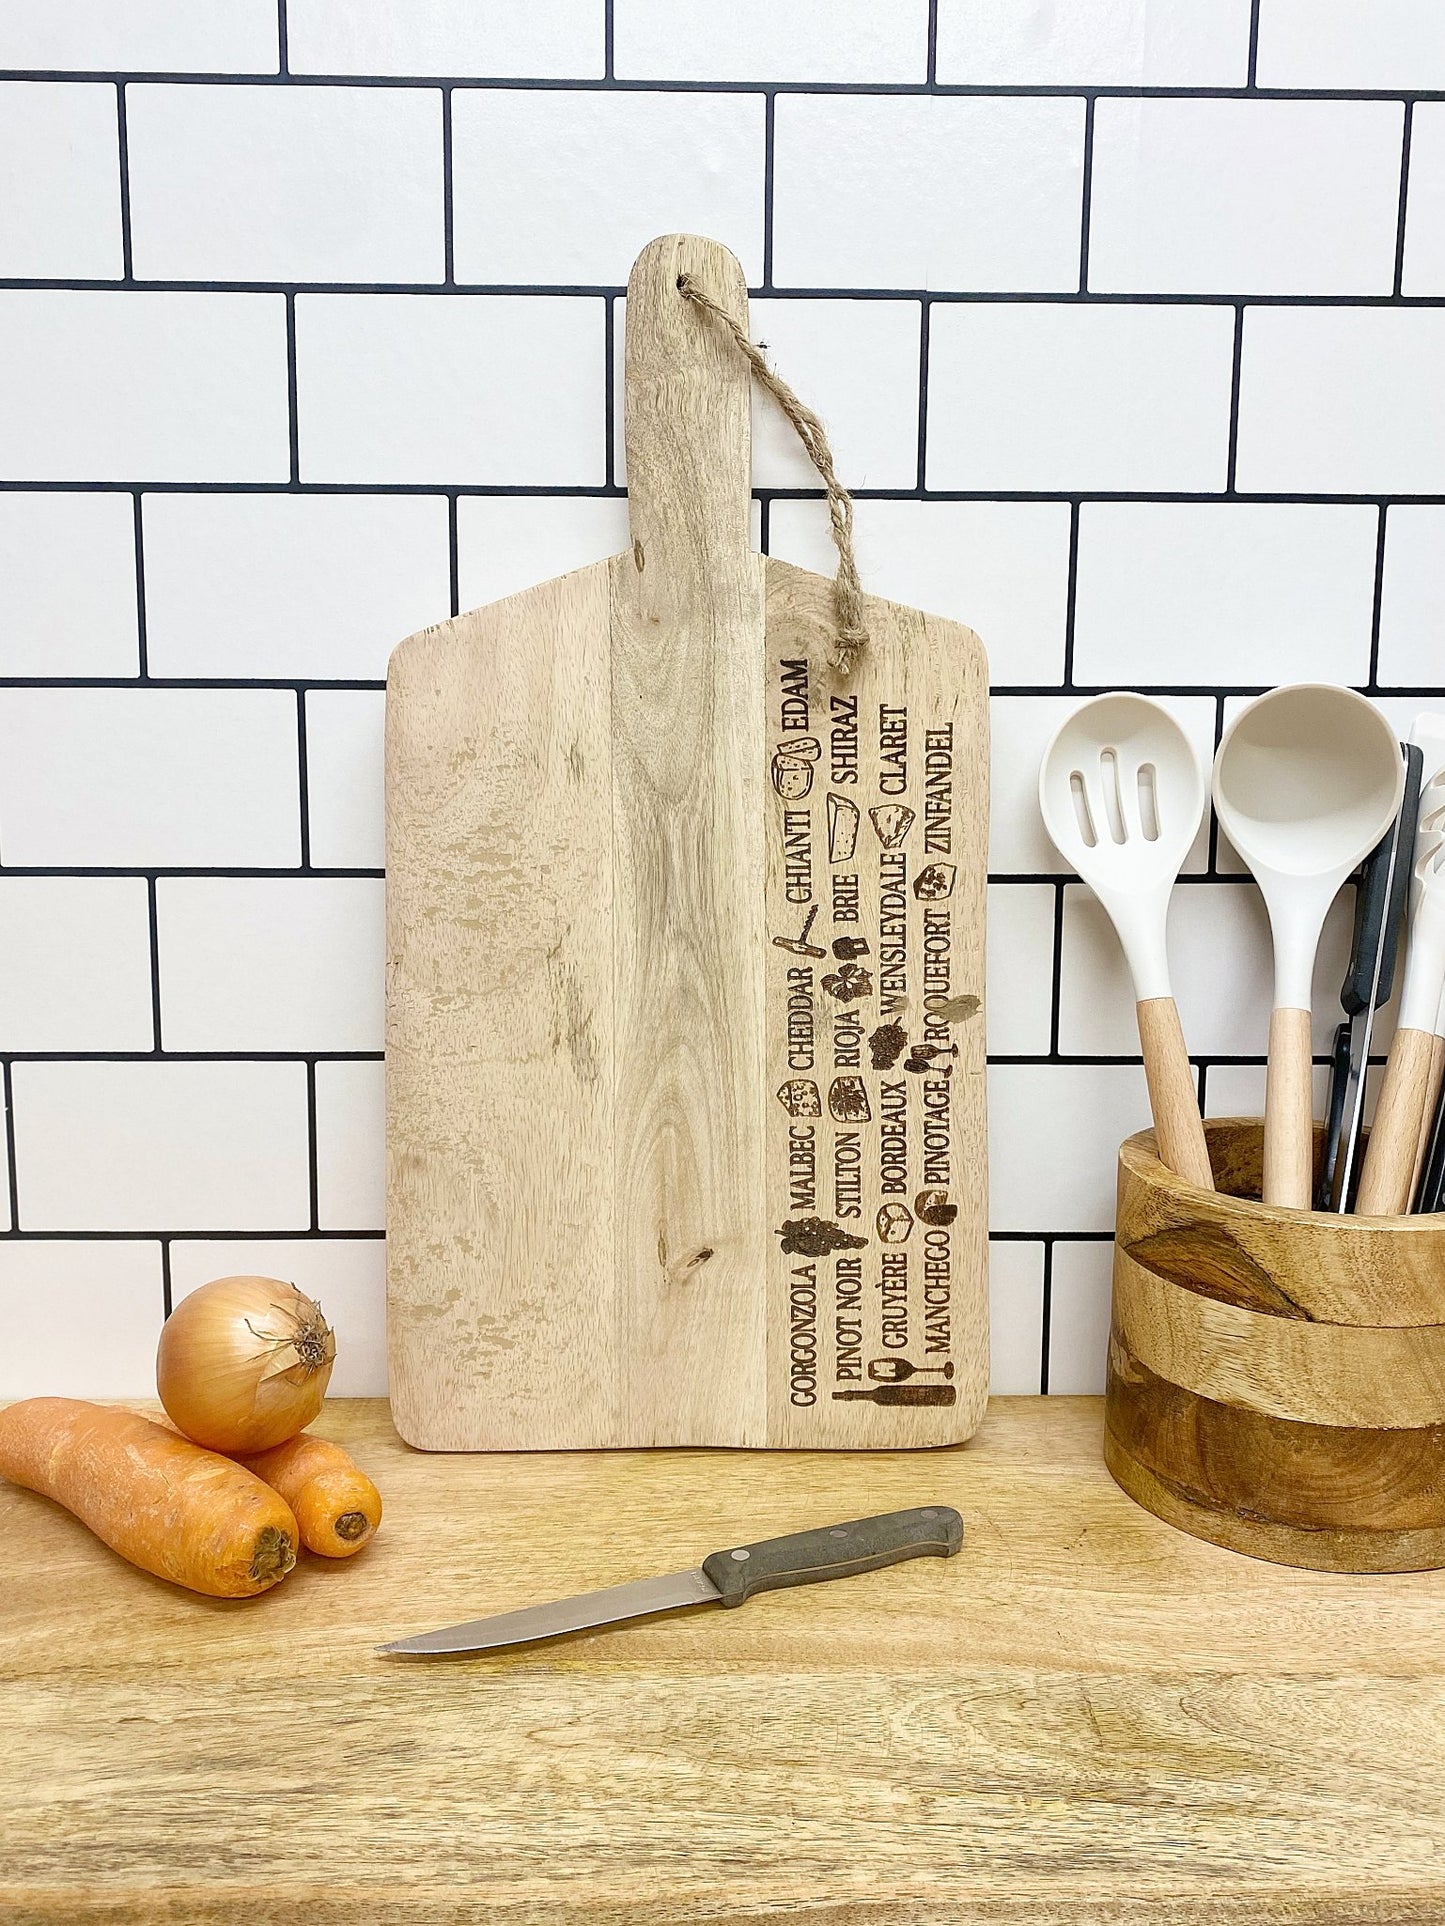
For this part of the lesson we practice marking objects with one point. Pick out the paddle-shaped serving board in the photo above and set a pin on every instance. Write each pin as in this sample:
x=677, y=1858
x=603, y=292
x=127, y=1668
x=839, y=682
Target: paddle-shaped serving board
x=685, y=1061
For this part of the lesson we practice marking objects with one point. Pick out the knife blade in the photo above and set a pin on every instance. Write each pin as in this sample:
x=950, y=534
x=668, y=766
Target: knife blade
x=1369, y=978
x=727, y=1578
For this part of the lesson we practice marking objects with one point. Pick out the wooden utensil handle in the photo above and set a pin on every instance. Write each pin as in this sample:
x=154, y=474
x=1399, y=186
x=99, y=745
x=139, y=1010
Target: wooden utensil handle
x=1172, y=1095
x=1289, y=1117
x=1433, y=1084
x=1395, y=1133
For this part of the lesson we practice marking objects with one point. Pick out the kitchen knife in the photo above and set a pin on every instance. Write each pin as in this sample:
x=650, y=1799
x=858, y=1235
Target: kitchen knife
x=1370, y=977
x=724, y=1578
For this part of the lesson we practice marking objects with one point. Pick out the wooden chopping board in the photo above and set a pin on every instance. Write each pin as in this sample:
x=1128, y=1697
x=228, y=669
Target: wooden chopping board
x=685, y=929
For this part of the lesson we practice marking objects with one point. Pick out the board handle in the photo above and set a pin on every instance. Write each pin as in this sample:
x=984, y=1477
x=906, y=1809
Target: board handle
x=834, y=1551
x=687, y=421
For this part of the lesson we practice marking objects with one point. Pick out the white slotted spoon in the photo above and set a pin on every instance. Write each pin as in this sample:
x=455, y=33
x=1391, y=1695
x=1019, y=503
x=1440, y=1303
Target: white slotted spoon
x=1391, y=1156
x=1122, y=795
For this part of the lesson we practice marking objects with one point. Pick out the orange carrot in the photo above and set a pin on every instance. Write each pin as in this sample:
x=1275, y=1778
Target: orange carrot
x=337, y=1506
x=185, y=1514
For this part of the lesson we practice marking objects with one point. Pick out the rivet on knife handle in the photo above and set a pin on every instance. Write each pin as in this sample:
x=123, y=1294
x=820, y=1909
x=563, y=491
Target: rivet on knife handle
x=834, y=1551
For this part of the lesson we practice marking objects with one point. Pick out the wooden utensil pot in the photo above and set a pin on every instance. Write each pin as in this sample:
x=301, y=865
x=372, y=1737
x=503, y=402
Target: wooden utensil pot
x=1277, y=1377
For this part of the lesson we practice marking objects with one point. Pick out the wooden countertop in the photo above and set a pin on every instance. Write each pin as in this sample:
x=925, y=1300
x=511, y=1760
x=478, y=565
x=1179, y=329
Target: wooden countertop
x=1085, y=1717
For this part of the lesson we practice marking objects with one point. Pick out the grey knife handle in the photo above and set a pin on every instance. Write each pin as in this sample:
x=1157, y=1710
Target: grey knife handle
x=834, y=1551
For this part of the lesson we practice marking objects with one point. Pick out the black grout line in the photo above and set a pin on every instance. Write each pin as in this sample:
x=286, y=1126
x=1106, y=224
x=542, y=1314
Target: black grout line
x=564, y=491
x=1103, y=1060
x=1056, y=967
x=609, y=44
x=1253, y=66
x=931, y=70
x=219, y=685
x=200, y=1056
x=454, y=589
x=235, y=872
x=10, y=1149
x=765, y=527
x=1037, y=1237
x=1219, y=702
x=283, y=1235
x=312, y=1160
x=1404, y=198
x=924, y=327
x=293, y=419
x=1377, y=604
x=449, y=268
x=173, y=682
x=1071, y=596
x=122, y=131
x=591, y=84
x=154, y=937
x=202, y=1235
x=999, y=1059
x=283, y=53
x=438, y=290
x=769, y=106
x=1086, y=194
x=167, y=1302
x=1236, y=366
x=1046, y=1320
x=303, y=780
x=609, y=392
x=141, y=642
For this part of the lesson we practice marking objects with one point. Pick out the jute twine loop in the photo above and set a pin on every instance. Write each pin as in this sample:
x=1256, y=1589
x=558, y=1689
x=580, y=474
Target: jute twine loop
x=848, y=591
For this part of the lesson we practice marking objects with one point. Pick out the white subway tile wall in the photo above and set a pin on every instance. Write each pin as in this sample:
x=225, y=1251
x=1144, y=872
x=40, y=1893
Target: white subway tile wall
x=68, y=585
x=286, y=184
x=557, y=187
x=1094, y=43
x=289, y=586
x=60, y=162
x=1127, y=320
x=1425, y=212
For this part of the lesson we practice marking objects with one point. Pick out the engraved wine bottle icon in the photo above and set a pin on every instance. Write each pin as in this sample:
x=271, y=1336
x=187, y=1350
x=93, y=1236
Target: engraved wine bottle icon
x=895, y=1370
x=902, y=1394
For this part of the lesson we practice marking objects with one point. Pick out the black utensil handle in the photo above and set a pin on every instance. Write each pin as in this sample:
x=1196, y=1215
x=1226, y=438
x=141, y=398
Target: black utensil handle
x=1380, y=900
x=1335, y=1116
x=834, y=1551
x=1431, y=1194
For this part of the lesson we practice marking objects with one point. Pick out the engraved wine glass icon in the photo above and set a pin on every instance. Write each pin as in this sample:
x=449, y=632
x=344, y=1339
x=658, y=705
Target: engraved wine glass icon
x=895, y=1370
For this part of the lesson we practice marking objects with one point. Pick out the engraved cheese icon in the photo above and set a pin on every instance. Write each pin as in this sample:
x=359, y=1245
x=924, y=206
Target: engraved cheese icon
x=933, y=1207
x=934, y=881
x=892, y=821
x=842, y=829
x=799, y=1097
x=848, y=1100
x=894, y=1223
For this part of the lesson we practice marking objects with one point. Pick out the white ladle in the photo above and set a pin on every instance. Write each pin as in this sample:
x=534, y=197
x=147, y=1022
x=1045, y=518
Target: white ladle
x=1122, y=794
x=1307, y=780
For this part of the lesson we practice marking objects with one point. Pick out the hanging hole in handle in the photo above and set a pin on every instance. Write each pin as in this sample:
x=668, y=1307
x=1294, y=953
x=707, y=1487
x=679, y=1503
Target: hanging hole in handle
x=1149, y=802
x=1082, y=812
x=1113, y=800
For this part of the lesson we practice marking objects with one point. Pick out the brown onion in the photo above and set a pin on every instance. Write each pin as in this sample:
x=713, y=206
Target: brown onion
x=243, y=1363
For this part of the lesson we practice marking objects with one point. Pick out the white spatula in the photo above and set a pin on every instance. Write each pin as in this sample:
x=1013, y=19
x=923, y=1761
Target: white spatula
x=1122, y=794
